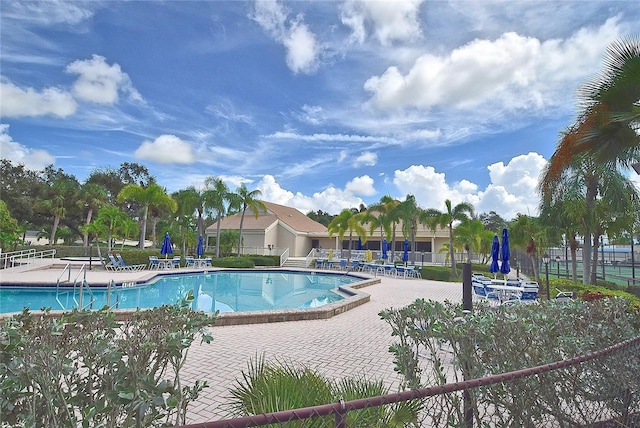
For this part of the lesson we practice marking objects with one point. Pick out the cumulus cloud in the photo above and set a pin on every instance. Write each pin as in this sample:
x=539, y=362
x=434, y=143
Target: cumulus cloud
x=166, y=149
x=20, y=102
x=512, y=190
x=19, y=154
x=367, y=159
x=303, y=49
x=361, y=186
x=99, y=82
x=389, y=21
x=513, y=71
x=331, y=199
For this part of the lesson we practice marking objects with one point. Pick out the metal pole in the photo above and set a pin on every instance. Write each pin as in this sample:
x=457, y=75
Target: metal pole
x=467, y=307
x=90, y=255
x=566, y=257
x=546, y=271
x=633, y=263
x=602, y=255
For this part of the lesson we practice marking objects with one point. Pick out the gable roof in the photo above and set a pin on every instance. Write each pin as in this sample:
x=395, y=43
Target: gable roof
x=287, y=215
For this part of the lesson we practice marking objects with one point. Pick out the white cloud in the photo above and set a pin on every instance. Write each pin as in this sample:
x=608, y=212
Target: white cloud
x=390, y=20
x=313, y=115
x=48, y=12
x=99, y=82
x=19, y=154
x=20, y=102
x=513, y=72
x=303, y=50
x=331, y=199
x=166, y=149
x=367, y=159
x=512, y=190
x=428, y=186
x=361, y=186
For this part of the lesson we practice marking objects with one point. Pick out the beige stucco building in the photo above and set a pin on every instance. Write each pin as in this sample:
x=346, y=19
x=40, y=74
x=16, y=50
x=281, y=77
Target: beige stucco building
x=280, y=228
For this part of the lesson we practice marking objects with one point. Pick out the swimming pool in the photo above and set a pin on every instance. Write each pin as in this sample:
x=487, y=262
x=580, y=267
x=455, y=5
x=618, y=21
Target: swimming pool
x=226, y=291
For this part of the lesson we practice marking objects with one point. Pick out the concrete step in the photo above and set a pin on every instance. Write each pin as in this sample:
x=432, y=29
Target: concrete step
x=299, y=262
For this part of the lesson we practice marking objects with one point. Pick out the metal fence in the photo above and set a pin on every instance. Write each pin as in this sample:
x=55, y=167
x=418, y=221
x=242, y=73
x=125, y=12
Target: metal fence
x=600, y=389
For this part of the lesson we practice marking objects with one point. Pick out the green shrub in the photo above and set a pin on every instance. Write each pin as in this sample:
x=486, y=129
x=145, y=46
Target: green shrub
x=436, y=273
x=265, y=260
x=87, y=369
x=278, y=386
x=432, y=336
x=233, y=262
x=579, y=289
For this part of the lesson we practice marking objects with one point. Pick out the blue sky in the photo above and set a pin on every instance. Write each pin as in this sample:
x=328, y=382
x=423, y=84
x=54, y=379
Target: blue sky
x=319, y=105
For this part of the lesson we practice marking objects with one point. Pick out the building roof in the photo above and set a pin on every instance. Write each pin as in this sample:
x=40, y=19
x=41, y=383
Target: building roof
x=290, y=216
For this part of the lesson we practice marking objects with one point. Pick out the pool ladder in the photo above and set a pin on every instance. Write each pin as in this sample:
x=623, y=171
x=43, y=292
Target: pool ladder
x=80, y=288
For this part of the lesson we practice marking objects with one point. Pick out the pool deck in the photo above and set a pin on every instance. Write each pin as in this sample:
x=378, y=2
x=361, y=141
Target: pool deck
x=353, y=343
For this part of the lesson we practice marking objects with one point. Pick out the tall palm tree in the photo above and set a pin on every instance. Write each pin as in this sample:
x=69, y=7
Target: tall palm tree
x=55, y=202
x=471, y=234
x=153, y=194
x=111, y=217
x=410, y=214
x=388, y=216
x=190, y=201
x=606, y=192
x=91, y=196
x=347, y=221
x=607, y=127
x=243, y=199
x=461, y=212
x=216, y=196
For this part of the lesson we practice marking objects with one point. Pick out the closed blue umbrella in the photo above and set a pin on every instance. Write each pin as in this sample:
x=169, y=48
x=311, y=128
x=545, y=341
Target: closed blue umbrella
x=405, y=251
x=384, y=249
x=359, y=243
x=166, y=245
x=495, y=254
x=504, y=267
x=200, y=247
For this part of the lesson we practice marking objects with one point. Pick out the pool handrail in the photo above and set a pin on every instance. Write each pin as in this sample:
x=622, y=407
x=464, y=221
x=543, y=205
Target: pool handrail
x=9, y=260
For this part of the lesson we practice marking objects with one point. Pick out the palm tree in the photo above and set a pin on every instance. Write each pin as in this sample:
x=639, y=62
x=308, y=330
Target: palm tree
x=145, y=196
x=471, y=234
x=460, y=212
x=111, y=217
x=607, y=126
x=243, y=199
x=388, y=216
x=347, y=221
x=216, y=196
x=603, y=190
x=59, y=194
x=190, y=201
x=91, y=196
x=410, y=214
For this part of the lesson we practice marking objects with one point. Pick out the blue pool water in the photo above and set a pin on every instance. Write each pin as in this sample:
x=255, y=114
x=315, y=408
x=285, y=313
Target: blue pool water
x=226, y=291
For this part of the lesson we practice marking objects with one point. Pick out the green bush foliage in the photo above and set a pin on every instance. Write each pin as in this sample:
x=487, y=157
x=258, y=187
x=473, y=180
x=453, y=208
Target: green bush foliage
x=87, y=369
x=437, y=343
x=265, y=260
x=277, y=386
x=234, y=262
